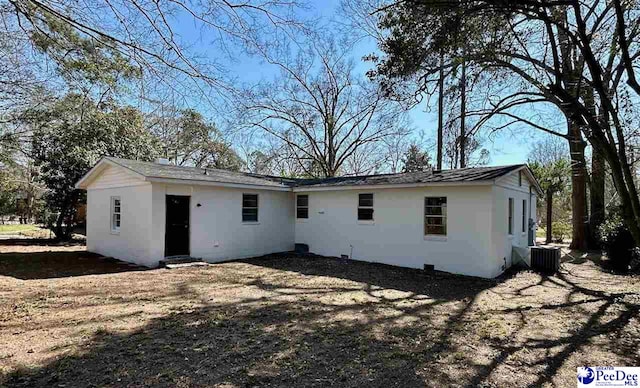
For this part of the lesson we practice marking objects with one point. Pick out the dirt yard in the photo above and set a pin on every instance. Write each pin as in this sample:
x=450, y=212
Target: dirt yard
x=69, y=319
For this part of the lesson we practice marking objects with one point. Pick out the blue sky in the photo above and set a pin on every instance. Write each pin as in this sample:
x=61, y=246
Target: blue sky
x=504, y=148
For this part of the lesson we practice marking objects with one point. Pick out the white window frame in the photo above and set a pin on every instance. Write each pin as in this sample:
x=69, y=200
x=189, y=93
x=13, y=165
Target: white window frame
x=115, y=226
x=443, y=216
x=257, y=207
x=302, y=207
x=524, y=216
x=373, y=201
x=510, y=211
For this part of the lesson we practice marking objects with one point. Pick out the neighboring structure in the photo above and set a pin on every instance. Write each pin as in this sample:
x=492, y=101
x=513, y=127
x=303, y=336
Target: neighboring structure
x=463, y=221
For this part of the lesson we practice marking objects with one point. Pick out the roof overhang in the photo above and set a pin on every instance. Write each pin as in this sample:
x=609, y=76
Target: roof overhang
x=216, y=184
x=532, y=179
x=104, y=163
x=303, y=189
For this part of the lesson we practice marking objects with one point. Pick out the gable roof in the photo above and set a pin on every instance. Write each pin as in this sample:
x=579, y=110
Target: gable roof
x=157, y=172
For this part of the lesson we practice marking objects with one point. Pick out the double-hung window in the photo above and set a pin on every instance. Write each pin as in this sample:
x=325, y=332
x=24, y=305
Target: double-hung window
x=510, y=220
x=116, y=211
x=435, y=216
x=365, y=207
x=302, y=206
x=249, y=207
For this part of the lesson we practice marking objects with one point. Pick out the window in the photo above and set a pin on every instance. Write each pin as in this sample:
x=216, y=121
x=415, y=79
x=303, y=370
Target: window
x=365, y=207
x=510, y=215
x=249, y=207
x=302, y=206
x=435, y=216
x=115, y=214
x=524, y=215
x=519, y=178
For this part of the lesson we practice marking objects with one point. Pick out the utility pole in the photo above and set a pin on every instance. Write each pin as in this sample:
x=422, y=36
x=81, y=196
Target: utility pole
x=440, y=112
x=463, y=113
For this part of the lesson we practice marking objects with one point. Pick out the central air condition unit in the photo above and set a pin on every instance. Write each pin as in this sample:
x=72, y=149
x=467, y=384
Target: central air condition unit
x=545, y=259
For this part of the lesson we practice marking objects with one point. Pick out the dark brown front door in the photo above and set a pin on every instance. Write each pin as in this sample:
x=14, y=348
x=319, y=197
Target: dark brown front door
x=176, y=237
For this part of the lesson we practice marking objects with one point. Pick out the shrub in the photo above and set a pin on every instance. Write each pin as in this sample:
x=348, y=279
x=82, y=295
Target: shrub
x=560, y=230
x=617, y=242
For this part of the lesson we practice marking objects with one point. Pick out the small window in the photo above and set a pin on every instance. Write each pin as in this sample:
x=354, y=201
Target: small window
x=249, y=207
x=435, y=216
x=519, y=178
x=524, y=215
x=510, y=216
x=365, y=207
x=302, y=206
x=116, y=211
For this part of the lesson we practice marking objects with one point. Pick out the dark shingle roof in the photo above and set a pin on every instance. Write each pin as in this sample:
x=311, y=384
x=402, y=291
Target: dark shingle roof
x=169, y=171
x=164, y=171
x=471, y=174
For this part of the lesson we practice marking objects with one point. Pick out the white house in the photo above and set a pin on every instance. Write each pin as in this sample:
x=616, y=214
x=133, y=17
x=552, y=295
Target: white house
x=463, y=221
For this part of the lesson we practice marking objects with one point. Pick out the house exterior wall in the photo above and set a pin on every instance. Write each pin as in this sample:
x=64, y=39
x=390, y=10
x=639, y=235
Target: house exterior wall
x=217, y=232
x=396, y=236
x=113, y=177
x=477, y=241
x=505, y=188
x=132, y=242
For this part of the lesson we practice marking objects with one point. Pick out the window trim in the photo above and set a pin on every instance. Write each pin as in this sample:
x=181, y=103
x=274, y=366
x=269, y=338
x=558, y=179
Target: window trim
x=302, y=207
x=444, y=216
x=112, y=213
x=257, y=207
x=510, y=215
x=524, y=216
x=372, y=207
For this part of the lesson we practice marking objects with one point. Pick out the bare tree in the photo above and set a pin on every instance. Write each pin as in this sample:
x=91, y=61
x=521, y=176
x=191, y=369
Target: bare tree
x=326, y=116
x=578, y=56
x=145, y=34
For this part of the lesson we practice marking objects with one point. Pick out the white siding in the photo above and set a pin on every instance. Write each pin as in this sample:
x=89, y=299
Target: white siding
x=132, y=243
x=112, y=177
x=217, y=230
x=505, y=188
x=397, y=234
x=477, y=242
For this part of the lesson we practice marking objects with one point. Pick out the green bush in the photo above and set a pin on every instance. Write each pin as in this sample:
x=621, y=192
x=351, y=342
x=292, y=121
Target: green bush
x=560, y=230
x=617, y=242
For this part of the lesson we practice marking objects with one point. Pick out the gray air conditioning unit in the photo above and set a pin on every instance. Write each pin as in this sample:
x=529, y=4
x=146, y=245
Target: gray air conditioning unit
x=545, y=259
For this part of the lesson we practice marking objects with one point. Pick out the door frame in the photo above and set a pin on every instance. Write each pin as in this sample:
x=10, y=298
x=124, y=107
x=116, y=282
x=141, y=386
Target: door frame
x=166, y=224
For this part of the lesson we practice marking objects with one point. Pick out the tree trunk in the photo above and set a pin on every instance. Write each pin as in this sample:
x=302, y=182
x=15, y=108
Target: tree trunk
x=578, y=187
x=440, y=113
x=597, y=186
x=549, y=215
x=463, y=114
x=62, y=231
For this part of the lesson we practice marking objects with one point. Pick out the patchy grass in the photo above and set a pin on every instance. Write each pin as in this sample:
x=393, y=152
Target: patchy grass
x=286, y=321
x=25, y=230
x=17, y=228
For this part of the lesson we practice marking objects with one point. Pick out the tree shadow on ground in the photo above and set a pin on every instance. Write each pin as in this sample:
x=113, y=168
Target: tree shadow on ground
x=415, y=281
x=41, y=242
x=309, y=334
x=46, y=265
x=280, y=344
